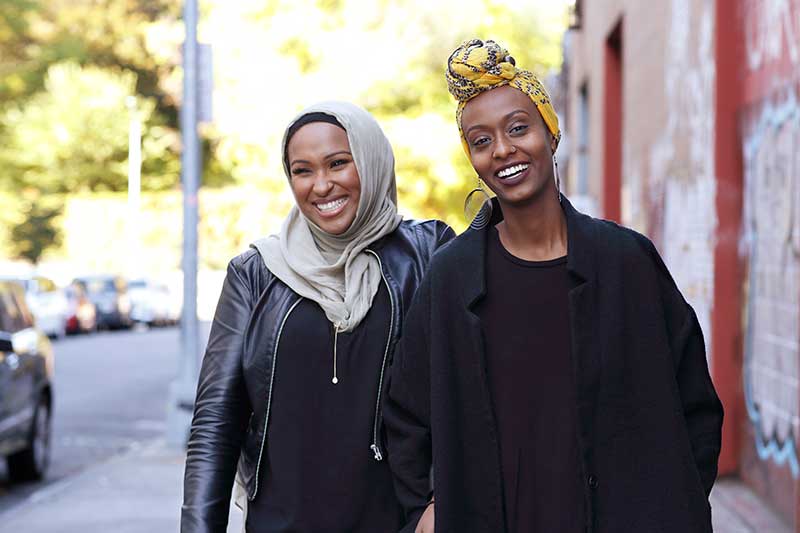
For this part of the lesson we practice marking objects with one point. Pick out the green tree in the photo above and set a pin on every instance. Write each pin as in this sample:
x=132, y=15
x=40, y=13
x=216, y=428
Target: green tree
x=35, y=34
x=38, y=230
x=73, y=136
x=387, y=55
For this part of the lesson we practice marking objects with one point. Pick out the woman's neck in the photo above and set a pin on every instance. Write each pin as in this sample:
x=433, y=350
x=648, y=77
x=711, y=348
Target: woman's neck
x=536, y=231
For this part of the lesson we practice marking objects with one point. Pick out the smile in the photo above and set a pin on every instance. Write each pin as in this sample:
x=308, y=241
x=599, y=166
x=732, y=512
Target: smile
x=512, y=172
x=330, y=207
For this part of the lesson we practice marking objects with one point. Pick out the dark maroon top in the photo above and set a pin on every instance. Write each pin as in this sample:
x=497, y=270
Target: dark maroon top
x=525, y=317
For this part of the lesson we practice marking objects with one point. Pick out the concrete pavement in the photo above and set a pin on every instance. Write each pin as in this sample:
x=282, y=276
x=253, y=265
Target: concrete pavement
x=737, y=509
x=139, y=491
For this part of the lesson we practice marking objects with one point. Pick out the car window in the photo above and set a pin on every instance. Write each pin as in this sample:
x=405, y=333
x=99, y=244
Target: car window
x=26, y=284
x=11, y=319
x=95, y=286
x=6, y=322
x=78, y=290
x=25, y=316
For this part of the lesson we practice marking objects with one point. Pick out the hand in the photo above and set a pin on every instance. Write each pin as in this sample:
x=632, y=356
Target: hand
x=425, y=524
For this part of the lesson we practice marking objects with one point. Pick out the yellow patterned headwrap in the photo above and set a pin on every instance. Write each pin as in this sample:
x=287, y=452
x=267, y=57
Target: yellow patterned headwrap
x=477, y=66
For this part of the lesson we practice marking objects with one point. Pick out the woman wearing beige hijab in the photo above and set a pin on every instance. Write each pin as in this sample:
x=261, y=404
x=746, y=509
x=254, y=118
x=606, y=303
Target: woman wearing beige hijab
x=290, y=392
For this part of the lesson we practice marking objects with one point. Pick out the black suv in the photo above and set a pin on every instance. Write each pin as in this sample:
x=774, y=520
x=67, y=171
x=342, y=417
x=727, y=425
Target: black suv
x=26, y=388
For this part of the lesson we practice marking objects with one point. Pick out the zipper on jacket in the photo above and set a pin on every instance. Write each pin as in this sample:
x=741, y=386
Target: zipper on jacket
x=375, y=447
x=335, y=379
x=269, y=394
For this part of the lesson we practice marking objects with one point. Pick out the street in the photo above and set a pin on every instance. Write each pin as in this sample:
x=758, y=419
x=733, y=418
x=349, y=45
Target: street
x=110, y=394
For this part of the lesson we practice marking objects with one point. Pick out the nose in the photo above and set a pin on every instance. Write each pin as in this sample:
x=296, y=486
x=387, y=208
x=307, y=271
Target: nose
x=502, y=148
x=322, y=185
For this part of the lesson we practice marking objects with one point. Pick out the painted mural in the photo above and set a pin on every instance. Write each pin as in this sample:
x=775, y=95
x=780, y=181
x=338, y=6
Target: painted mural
x=771, y=242
x=682, y=188
x=771, y=230
x=772, y=32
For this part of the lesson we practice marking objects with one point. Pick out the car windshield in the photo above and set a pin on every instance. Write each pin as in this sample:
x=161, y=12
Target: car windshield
x=24, y=283
x=95, y=286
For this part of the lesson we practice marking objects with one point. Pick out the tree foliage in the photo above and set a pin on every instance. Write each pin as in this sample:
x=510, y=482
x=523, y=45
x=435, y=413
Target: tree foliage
x=35, y=34
x=388, y=56
x=73, y=135
x=39, y=229
x=67, y=67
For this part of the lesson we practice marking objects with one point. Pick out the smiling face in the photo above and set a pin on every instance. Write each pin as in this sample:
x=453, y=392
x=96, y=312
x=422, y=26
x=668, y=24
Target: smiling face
x=510, y=146
x=324, y=178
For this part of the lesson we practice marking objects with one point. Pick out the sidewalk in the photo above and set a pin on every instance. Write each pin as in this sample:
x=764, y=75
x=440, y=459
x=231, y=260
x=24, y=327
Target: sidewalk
x=737, y=509
x=140, y=492
x=136, y=492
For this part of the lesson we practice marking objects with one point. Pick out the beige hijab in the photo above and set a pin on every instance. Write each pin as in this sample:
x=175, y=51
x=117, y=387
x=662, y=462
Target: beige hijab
x=336, y=271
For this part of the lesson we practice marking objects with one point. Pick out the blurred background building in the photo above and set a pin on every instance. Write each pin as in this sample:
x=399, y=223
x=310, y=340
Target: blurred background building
x=684, y=123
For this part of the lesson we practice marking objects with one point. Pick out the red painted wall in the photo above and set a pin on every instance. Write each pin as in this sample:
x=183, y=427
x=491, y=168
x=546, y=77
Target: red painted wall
x=726, y=328
x=612, y=134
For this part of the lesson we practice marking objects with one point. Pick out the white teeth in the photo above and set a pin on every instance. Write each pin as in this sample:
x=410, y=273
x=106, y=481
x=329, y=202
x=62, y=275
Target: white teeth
x=506, y=172
x=330, y=206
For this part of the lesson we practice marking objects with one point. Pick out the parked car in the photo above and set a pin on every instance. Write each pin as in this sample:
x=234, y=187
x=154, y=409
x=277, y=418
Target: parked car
x=26, y=388
x=82, y=313
x=47, y=302
x=151, y=302
x=109, y=294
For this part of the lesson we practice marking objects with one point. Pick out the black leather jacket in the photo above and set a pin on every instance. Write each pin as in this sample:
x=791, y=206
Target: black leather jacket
x=232, y=406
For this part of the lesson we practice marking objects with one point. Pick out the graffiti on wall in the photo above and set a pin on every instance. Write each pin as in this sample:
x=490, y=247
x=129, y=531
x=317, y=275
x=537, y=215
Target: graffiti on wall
x=682, y=189
x=772, y=31
x=771, y=242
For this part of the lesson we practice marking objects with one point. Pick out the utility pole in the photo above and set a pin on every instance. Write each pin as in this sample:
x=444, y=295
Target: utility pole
x=182, y=390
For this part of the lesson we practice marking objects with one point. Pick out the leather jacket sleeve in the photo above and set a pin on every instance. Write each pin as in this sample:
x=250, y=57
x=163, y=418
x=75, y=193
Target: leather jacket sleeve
x=440, y=234
x=220, y=413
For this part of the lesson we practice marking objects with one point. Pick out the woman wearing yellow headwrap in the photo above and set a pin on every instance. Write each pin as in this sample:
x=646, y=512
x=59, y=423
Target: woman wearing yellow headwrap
x=551, y=355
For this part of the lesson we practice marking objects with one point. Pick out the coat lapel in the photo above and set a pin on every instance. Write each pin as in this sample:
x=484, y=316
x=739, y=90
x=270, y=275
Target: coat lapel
x=583, y=270
x=582, y=310
x=582, y=307
x=581, y=264
x=472, y=271
x=473, y=259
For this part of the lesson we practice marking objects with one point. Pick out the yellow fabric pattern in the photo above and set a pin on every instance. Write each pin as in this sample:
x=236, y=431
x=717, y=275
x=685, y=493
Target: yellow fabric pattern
x=477, y=66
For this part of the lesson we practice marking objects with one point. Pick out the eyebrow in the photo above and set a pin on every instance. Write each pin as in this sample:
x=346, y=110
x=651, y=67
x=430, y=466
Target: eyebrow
x=333, y=154
x=508, y=116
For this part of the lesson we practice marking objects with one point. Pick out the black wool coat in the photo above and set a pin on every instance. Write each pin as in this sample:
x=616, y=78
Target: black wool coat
x=649, y=420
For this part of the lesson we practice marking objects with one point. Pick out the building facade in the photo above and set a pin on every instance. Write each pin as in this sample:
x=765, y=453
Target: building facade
x=683, y=122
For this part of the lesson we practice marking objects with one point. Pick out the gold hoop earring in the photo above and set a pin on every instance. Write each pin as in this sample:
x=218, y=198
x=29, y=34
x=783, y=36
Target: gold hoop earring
x=478, y=212
x=557, y=178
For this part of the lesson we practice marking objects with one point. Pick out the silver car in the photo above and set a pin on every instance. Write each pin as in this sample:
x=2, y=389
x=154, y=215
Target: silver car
x=26, y=388
x=47, y=302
